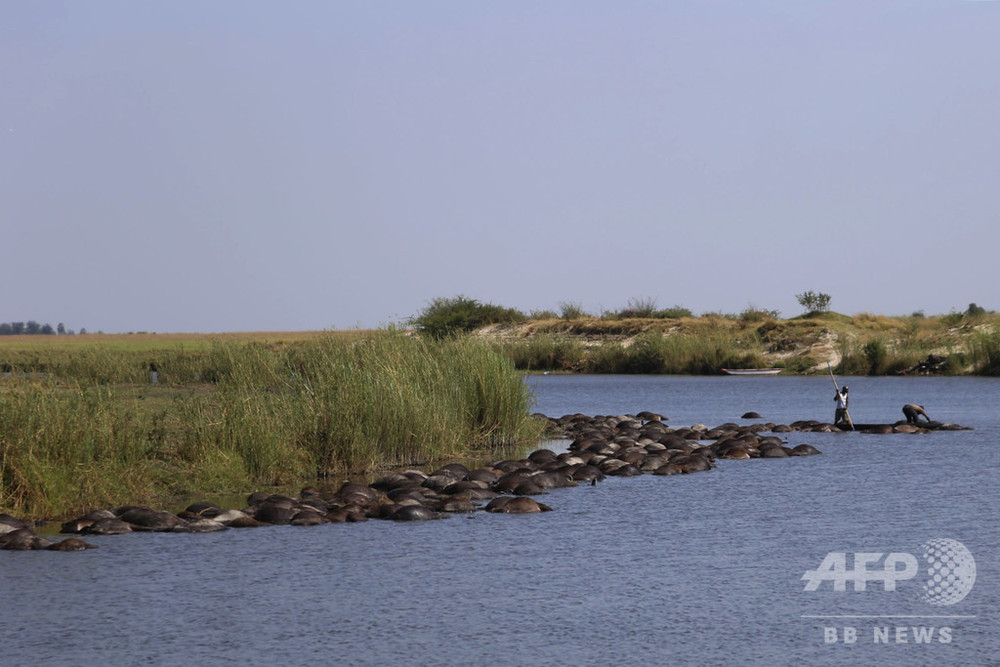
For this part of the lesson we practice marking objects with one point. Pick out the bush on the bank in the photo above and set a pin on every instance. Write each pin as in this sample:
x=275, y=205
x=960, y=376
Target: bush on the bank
x=635, y=308
x=752, y=314
x=646, y=309
x=975, y=311
x=877, y=356
x=675, y=313
x=571, y=310
x=852, y=359
x=444, y=317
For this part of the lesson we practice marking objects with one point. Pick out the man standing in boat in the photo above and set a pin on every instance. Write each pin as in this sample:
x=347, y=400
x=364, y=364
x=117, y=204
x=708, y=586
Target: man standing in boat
x=912, y=413
x=842, y=400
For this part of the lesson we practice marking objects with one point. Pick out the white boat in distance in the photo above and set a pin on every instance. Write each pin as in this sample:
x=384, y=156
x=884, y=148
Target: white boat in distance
x=752, y=371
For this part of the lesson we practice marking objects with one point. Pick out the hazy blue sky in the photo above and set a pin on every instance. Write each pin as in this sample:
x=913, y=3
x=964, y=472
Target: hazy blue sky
x=232, y=166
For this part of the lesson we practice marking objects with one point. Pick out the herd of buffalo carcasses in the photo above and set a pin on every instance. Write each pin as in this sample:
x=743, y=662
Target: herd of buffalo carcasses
x=621, y=446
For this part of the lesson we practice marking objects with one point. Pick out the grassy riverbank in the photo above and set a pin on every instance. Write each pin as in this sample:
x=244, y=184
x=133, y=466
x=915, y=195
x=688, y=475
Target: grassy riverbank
x=862, y=344
x=82, y=426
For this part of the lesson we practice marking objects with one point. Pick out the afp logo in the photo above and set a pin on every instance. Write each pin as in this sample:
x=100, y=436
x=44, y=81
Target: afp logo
x=947, y=570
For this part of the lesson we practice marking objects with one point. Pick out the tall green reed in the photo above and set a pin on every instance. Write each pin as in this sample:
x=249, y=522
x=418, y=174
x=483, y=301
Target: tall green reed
x=653, y=352
x=881, y=355
x=269, y=416
x=544, y=353
x=984, y=352
x=406, y=399
x=65, y=447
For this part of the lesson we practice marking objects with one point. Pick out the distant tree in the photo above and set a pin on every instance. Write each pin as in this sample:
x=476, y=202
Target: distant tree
x=814, y=302
x=82, y=331
x=60, y=329
x=30, y=328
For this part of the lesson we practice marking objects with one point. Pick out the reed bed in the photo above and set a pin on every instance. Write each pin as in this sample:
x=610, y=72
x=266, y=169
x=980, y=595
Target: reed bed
x=64, y=447
x=984, y=351
x=545, y=352
x=680, y=354
x=881, y=355
x=92, y=430
x=651, y=352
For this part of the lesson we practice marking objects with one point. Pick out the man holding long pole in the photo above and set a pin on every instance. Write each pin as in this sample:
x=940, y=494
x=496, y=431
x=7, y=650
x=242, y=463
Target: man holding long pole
x=842, y=400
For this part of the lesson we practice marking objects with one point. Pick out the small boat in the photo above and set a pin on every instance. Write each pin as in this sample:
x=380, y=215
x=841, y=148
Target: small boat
x=752, y=371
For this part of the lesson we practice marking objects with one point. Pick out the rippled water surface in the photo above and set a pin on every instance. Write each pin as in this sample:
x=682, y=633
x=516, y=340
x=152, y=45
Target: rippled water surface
x=702, y=568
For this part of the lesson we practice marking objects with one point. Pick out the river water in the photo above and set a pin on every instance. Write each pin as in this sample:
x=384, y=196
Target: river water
x=694, y=569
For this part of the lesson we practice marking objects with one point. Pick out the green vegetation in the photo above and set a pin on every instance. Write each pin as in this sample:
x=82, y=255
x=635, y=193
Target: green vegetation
x=545, y=352
x=695, y=354
x=571, y=310
x=83, y=425
x=974, y=311
x=970, y=315
x=867, y=344
x=984, y=352
x=646, y=309
x=444, y=317
x=753, y=314
x=90, y=430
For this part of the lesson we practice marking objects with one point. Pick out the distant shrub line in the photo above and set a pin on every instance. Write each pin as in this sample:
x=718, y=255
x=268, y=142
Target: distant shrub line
x=447, y=316
x=32, y=328
x=573, y=340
